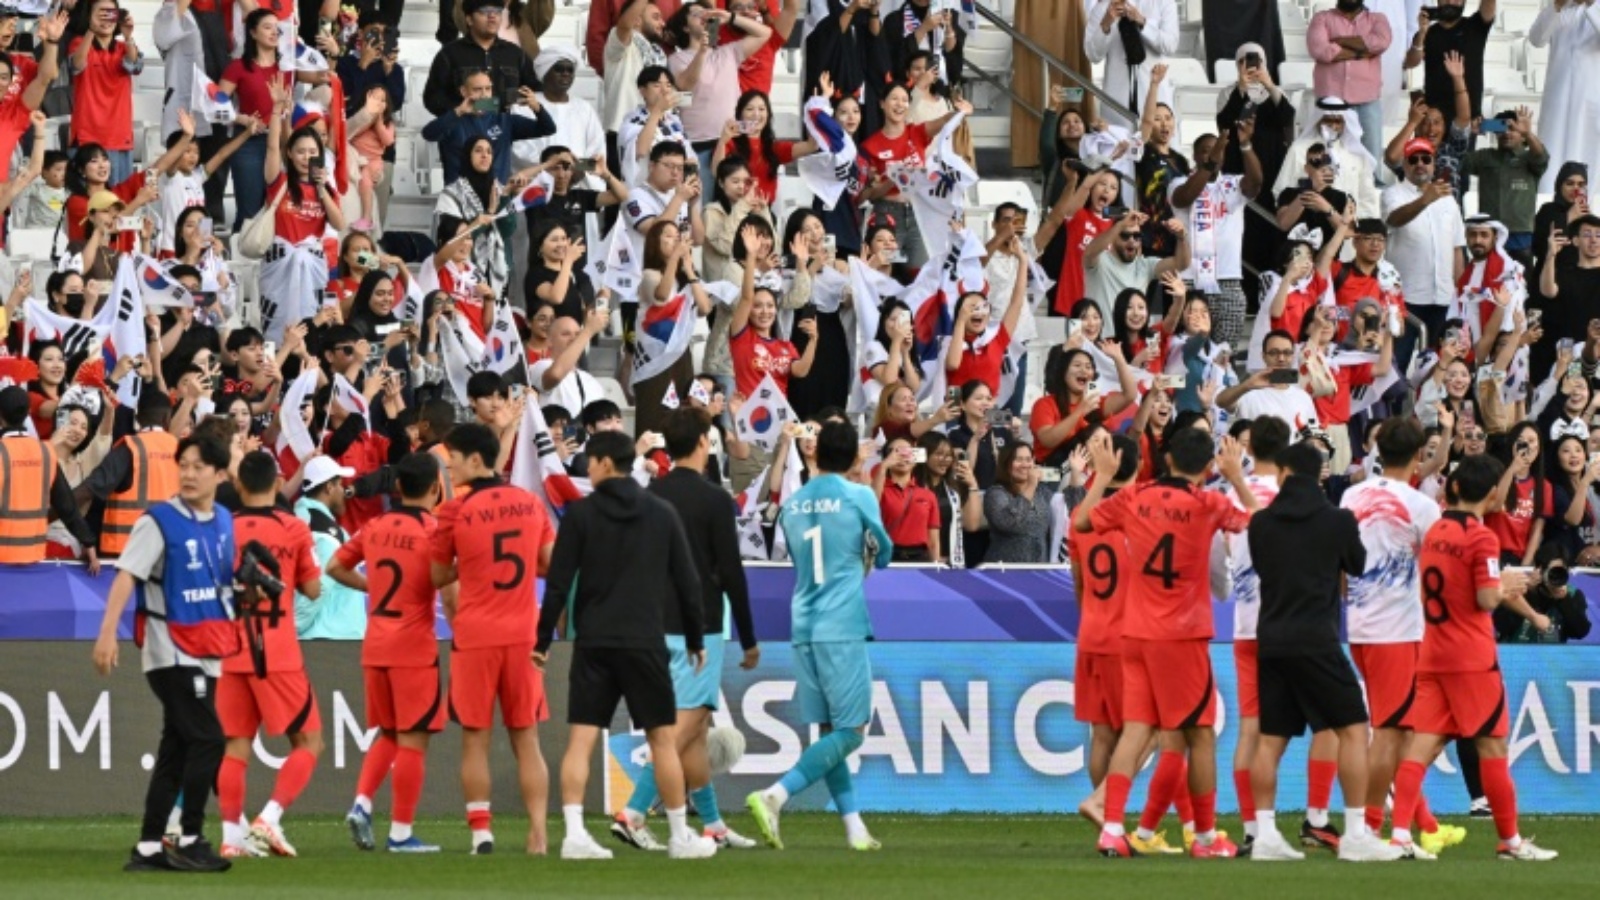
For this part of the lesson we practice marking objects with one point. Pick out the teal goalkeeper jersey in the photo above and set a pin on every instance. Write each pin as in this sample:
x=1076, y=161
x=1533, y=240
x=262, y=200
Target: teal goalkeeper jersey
x=828, y=525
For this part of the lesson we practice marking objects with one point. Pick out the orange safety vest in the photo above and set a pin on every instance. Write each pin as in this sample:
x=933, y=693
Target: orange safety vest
x=27, y=473
x=447, y=490
x=154, y=479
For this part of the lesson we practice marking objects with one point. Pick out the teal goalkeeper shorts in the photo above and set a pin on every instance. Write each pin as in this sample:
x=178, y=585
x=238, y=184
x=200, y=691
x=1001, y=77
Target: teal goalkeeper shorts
x=833, y=682
x=691, y=689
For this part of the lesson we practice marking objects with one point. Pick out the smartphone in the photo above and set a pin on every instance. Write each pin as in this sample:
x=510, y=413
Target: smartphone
x=1252, y=60
x=391, y=42
x=1574, y=369
x=1172, y=382
x=1431, y=12
x=573, y=432
x=952, y=396
x=1074, y=327
x=1283, y=376
x=601, y=304
x=1049, y=475
x=1565, y=344
x=330, y=298
x=1535, y=316
x=516, y=392
x=999, y=417
x=1248, y=111
x=685, y=100
x=961, y=455
x=486, y=105
x=127, y=223
x=367, y=260
x=1493, y=126
x=1116, y=211
x=583, y=166
x=830, y=243
x=269, y=349
x=206, y=227
x=398, y=377
x=748, y=128
x=919, y=455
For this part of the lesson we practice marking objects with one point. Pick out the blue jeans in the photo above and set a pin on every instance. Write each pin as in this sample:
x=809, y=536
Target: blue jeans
x=249, y=165
x=121, y=165
x=1370, y=115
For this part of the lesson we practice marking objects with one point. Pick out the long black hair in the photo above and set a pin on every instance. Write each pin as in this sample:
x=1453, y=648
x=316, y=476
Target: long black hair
x=77, y=183
x=180, y=247
x=248, y=55
x=768, y=148
x=293, y=178
x=361, y=306
x=728, y=166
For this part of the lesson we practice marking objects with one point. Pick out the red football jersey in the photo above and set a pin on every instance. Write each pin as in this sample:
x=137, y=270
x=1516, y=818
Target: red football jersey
x=1100, y=571
x=1169, y=526
x=397, y=549
x=495, y=536
x=289, y=541
x=1460, y=556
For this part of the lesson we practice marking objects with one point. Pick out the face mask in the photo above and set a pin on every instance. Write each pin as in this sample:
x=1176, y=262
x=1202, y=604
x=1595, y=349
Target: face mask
x=73, y=304
x=1449, y=13
x=1328, y=133
x=1257, y=93
x=1350, y=6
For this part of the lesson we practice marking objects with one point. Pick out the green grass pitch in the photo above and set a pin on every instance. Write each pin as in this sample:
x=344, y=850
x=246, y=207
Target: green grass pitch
x=992, y=858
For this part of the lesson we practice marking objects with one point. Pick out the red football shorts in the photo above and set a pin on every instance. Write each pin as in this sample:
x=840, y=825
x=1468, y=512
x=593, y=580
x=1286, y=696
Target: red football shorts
x=1098, y=689
x=1390, y=671
x=1168, y=684
x=404, y=699
x=479, y=677
x=1461, y=704
x=281, y=703
x=1244, y=667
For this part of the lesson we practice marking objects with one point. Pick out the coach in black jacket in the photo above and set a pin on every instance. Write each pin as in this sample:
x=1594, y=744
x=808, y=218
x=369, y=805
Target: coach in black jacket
x=1302, y=545
x=626, y=555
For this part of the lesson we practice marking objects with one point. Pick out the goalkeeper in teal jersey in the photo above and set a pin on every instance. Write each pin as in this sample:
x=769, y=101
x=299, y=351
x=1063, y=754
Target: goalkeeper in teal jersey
x=835, y=535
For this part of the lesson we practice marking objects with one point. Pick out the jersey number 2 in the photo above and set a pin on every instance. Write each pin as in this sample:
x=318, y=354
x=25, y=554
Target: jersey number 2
x=382, y=610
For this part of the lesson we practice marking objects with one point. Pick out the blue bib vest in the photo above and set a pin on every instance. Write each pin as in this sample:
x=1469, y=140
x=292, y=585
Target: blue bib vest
x=196, y=583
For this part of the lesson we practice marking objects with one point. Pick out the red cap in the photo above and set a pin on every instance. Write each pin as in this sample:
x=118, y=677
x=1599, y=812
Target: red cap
x=1418, y=145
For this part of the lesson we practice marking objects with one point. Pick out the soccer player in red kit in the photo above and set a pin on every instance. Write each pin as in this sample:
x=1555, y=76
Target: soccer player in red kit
x=1460, y=691
x=282, y=702
x=400, y=653
x=1167, y=681
x=1099, y=567
x=495, y=541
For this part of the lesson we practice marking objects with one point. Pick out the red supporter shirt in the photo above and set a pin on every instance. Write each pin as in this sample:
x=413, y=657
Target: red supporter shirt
x=78, y=209
x=879, y=151
x=302, y=220
x=755, y=73
x=1169, y=525
x=1298, y=304
x=1046, y=414
x=909, y=513
x=1334, y=409
x=1513, y=525
x=13, y=113
x=250, y=87
x=367, y=454
x=755, y=357
x=397, y=550
x=496, y=536
x=1100, y=570
x=289, y=541
x=765, y=177
x=982, y=363
x=102, y=98
x=1082, y=229
x=1460, y=557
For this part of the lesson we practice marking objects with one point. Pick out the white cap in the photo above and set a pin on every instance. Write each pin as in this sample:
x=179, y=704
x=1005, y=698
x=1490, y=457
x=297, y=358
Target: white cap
x=321, y=470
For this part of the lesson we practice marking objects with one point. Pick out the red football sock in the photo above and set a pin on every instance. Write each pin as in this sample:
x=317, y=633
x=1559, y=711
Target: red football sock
x=1117, y=788
x=409, y=767
x=1375, y=819
x=1247, y=796
x=375, y=768
x=1163, y=786
x=1407, y=789
x=293, y=777
x=1320, y=774
x=1502, y=794
x=1424, y=816
x=230, y=788
x=478, y=816
x=1205, y=812
x=1180, y=795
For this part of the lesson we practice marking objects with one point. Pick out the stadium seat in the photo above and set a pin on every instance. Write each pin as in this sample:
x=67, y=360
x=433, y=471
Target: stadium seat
x=34, y=243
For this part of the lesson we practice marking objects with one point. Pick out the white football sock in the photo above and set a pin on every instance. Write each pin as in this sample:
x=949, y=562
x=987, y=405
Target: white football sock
x=1113, y=829
x=364, y=803
x=398, y=832
x=779, y=793
x=1144, y=833
x=678, y=822
x=1266, y=820
x=1317, y=817
x=233, y=834
x=573, y=814
x=1400, y=835
x=149, y=848
x=272, y=813
x=854, y=828
x=1355, y=821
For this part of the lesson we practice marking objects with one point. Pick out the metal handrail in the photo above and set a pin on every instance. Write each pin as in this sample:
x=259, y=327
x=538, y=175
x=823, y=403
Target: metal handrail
x=1087, y=84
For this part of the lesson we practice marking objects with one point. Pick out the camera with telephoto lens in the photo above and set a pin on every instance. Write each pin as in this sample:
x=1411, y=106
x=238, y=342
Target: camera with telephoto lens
x=258, y=569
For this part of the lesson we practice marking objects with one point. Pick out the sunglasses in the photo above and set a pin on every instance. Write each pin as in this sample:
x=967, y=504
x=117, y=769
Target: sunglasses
x=1278, y=354
x=1474, y=435
x=345, y=348
x=1129, y=235
x=1320, y=162
x=1420, y=159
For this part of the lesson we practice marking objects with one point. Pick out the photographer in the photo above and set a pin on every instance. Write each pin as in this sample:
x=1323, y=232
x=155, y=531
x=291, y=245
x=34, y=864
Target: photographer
x=180, y=656
x=1563, y=609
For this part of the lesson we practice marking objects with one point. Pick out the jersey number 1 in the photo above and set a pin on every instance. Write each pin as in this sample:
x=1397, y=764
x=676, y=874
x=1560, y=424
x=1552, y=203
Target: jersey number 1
x=813, y=536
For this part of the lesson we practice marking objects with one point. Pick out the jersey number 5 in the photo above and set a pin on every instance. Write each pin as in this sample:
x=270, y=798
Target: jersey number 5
x=502, y=554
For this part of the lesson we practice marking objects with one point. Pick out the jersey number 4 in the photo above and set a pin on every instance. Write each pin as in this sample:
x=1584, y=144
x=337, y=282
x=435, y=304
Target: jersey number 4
x=1159, y=565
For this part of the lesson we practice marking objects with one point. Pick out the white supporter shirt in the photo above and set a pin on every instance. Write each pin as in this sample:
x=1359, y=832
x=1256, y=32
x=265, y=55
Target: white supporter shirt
x=1424, y=249
x=619, y=89
x=572, y=393
x=577, y=129
x=1291, y=404
x=645, y=203
x=1224, y=203
x=178, y=193
x=1246, y=594
x=1385, y=602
